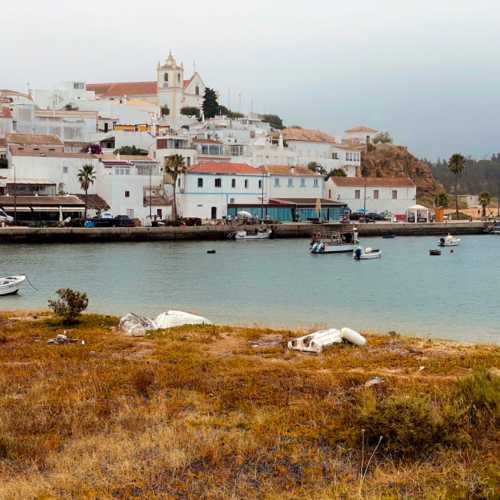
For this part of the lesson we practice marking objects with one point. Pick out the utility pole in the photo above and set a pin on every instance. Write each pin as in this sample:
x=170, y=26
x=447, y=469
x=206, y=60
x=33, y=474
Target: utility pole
x=15, y=196
x=150, y=194
x=262, y=197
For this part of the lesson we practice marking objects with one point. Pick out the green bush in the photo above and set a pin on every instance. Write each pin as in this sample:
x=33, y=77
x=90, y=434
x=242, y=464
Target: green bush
x=69, y=305
x=410, y=425
x=479, y=395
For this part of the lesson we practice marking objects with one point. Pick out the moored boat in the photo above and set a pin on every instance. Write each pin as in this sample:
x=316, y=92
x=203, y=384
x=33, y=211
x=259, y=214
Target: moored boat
x=337, y=242
x=260, y=234
x=11, y=284
x=366, y=253
x=449, y=241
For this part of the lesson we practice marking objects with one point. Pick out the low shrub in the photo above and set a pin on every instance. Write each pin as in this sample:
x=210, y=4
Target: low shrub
x=479, y=394
x=69, y=305
x=410, y=425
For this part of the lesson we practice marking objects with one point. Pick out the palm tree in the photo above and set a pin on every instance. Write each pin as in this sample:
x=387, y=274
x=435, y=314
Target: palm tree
x=86, y=177
x=456, y=165
x=484, y=201
x=174, y=166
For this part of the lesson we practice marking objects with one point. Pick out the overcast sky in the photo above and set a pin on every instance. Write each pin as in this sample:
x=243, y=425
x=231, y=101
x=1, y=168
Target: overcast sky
x=427, y=71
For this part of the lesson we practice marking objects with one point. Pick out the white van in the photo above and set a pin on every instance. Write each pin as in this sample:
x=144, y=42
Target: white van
x=5, y=218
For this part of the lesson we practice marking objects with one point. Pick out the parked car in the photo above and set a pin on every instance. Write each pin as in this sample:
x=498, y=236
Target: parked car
x=123, y=221
x=7, y=219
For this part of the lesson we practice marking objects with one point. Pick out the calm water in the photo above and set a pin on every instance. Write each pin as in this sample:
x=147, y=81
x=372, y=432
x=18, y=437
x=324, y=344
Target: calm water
x=278, y=283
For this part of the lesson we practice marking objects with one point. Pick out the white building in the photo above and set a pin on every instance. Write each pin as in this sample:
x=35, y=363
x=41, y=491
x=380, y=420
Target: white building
x=207, y=189
x=175, y=144
x=64, y=94
x=375, y=194
x=170, y=89
x=360, y=135
x=283, y=181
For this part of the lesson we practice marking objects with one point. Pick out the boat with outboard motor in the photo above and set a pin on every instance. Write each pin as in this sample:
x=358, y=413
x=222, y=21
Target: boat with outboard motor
x=449, y=241
x=11, y=284
x=336, y=242
x=259, y=234
x=367, y=253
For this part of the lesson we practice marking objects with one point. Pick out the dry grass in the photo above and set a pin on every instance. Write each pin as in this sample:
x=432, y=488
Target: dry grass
x=200, y=412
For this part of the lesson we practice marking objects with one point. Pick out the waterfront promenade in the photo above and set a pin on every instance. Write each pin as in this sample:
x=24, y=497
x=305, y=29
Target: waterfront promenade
x=220, y=232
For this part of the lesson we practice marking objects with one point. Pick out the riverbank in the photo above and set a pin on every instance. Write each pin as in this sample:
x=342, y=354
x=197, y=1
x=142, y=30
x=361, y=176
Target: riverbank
x=221, y=232
x=228, y=412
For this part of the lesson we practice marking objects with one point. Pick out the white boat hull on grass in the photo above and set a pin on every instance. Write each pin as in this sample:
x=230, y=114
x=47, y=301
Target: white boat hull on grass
x=11, y=284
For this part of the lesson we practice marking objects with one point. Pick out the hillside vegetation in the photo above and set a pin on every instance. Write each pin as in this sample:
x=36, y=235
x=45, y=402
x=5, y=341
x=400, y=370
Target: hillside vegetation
x=387, y=160
x=228, y=412
x=479, y=176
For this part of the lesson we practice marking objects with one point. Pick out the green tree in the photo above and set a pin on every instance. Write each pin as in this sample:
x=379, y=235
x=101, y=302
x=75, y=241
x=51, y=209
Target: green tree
x=336, y=172
x=484, y=201
x=174, y=167
x=382, y=138
x=442, y=200
x=316, y=167
x=131, y=151
x=210, y=103
x=230, y=114
x=86, y=177
x=164, y=110
x=190, y=111
x=456, y=165
x=274, y=120
x=69, y=305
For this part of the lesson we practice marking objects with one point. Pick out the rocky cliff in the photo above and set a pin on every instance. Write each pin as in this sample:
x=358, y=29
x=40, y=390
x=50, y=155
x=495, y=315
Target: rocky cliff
x=387, y=160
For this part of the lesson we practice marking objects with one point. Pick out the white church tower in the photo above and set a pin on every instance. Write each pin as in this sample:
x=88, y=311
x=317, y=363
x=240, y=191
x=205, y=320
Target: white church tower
x=171, y=86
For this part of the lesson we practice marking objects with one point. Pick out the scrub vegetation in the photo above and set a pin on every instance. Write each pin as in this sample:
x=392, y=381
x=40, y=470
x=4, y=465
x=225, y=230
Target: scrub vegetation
x=228, y=412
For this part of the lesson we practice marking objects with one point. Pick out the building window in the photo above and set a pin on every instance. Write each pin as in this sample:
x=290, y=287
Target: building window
x=246, y=183
x=394, y=194
x=127, y=194
x=165, y=77
x=197, y=90
x=276, y=182
x=357, y=194
x=375, y=194
x=316, y=183
x=303, y=182
x=260, y=183
x=188, y=161
x=218, y=182
x=233, y=183
x=290, y=182
x=335, y=156
x=330, y=194
x=65, y=170
x=200, y=182
x=179, y=77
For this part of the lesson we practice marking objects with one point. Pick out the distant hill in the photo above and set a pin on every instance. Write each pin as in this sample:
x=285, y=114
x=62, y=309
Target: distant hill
x=479, y=176
x=388, y=160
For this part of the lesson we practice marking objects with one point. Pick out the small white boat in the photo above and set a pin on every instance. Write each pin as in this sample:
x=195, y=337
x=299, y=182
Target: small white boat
x=258, y=235
x=11, y=284
x=495, y=229
x=340, y=242
x=366, y=253
x=449, y=241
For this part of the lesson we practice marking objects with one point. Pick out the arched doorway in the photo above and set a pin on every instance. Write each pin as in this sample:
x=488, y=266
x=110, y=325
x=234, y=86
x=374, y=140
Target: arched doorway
x=214, y=213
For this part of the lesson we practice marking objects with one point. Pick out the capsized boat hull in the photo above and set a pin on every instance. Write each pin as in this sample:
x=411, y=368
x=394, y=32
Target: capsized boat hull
x=11, y=285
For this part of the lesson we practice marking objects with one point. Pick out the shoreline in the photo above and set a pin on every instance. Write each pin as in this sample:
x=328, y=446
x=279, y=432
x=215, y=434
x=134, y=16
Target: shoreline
x=18, y=235
x=36, y=314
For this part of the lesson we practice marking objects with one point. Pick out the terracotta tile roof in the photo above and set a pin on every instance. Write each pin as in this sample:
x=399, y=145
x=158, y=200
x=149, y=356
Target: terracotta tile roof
x=120, y=89
x=307, y=135
x=95, y=202
x=42, y=201
x=373, y=181
x=14, y=93
x=34, y=139
x=5, y=113
x=3, y=142
x=224, y=168
x=299, y=171
x=51, y=154
x=361, y=128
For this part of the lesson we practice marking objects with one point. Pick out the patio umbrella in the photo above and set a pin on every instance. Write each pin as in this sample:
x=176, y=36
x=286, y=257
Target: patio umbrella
x=318, y=206
x=244, y=214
